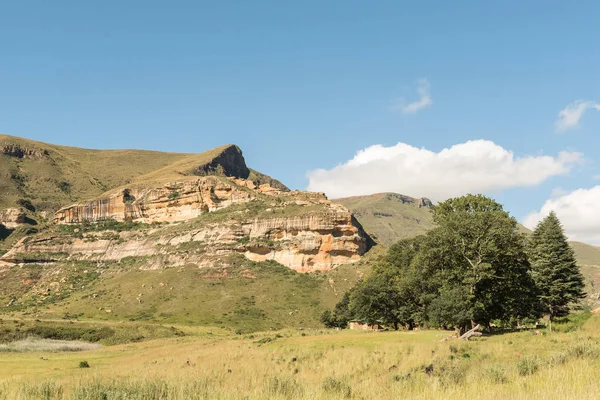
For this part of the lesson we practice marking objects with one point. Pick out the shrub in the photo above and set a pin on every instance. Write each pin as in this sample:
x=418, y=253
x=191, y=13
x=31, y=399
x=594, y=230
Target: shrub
x=528, y=365
x=584, y=349
x=339, y=387
x=496, y=374
x=46, y=390
x=286, y=387
x=84, y=364
x=452, y=373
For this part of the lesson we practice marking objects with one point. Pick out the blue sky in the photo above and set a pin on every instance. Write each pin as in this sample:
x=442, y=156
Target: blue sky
x=302, y=86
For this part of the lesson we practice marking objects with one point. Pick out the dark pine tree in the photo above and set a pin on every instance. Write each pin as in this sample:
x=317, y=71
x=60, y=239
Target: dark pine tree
x=554, y=269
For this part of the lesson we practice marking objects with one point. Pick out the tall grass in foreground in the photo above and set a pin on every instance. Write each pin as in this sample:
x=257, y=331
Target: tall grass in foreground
x=332, y=365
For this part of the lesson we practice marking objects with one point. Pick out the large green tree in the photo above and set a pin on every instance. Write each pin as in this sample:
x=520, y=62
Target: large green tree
x=554, y=269
x=471, y=268
x=477, y=257
x=389, y=295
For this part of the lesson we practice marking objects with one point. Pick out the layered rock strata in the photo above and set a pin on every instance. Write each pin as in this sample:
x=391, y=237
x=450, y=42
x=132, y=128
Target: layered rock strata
x=12, y=217
x=322, y=237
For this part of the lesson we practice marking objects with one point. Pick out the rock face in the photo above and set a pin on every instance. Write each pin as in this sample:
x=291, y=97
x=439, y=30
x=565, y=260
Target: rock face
x=12, y=217
x=178, y=201
x=301, y=230
x=309, y=243
x=229, y=163
x=15, y=150
x=424, y=202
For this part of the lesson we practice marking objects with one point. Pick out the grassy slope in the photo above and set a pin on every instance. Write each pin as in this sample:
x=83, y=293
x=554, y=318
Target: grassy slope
x=69, y=174
x=239, y=295
x=318, y=364
x=387, y=218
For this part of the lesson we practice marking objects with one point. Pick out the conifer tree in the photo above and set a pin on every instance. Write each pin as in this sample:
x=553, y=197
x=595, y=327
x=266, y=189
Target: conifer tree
x=554, y=269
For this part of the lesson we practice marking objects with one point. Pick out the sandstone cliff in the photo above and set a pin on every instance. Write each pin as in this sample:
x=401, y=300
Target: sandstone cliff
x=177, y=201
x=206, y=218
x=12, y=217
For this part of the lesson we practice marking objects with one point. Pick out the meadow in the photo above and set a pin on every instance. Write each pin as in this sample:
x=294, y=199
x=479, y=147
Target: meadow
x=213, y=363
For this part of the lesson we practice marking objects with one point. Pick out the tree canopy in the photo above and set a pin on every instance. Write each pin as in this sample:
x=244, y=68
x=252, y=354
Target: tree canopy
x=472, y=268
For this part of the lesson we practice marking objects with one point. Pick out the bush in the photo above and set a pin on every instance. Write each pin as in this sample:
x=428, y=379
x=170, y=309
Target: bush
x=44, y=390
x=336, y=386
x=84, y=364
x=286, y=387
x=496, y=374
x=452, y=373
x=584, y=349
x=528, y=365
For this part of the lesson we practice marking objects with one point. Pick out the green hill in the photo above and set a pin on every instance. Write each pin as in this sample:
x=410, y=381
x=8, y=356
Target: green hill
x=389, y=217
x=51, y=176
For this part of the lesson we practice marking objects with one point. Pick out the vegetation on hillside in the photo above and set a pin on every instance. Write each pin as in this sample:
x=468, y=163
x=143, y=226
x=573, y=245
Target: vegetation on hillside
x=389, y=217
x=472, y=268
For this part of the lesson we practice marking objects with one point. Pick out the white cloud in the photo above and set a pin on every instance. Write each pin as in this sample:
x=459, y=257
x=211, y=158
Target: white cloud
x=424, y=101
x=569, y=117
x=578, y=211
x=477, y=166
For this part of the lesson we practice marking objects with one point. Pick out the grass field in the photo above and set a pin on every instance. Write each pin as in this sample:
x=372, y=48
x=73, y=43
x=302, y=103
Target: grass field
x=210, y=363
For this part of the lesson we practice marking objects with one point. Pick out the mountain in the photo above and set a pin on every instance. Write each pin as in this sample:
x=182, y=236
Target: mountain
x=179, y=238
x=49, y=176
x=389, y=217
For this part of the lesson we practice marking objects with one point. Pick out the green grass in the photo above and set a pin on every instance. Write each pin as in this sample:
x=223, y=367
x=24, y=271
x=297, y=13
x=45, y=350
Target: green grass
x=389, y=217
x=238, y=294
x=317, y=364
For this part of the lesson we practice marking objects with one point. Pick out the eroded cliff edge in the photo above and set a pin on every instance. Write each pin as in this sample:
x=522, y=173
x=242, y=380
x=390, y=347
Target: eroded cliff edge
x=201, y=221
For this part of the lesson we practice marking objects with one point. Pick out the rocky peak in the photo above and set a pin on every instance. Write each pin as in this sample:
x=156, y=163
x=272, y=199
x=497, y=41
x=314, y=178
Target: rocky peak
x=424, y=202
x=17, y=151
x=421, y=202
x=230, y=162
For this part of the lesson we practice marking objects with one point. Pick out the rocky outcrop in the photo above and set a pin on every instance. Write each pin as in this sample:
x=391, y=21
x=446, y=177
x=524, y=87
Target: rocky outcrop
x=308, y=243
x=230, y=162
x=177, y=201
x=12, y=217
x=15, y=150
x=301, y=230
x=424, y=202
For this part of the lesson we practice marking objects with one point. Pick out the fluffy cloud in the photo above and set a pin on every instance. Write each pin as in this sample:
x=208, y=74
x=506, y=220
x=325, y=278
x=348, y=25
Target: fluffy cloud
x=476, y=166
x=569, y=117
x=578, y=211
x=424, y=101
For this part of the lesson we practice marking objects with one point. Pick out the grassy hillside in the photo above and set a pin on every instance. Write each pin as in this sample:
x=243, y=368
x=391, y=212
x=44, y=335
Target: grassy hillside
x=237, y=295
x=60, y=175
x=389, y=217
x=54, y=176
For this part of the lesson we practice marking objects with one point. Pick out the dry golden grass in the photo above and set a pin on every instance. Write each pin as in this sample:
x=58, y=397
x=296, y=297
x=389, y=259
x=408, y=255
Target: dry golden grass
x=318, y=364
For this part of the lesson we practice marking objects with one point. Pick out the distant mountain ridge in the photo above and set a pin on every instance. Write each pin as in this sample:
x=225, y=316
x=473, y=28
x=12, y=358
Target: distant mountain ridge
x=389, y=217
